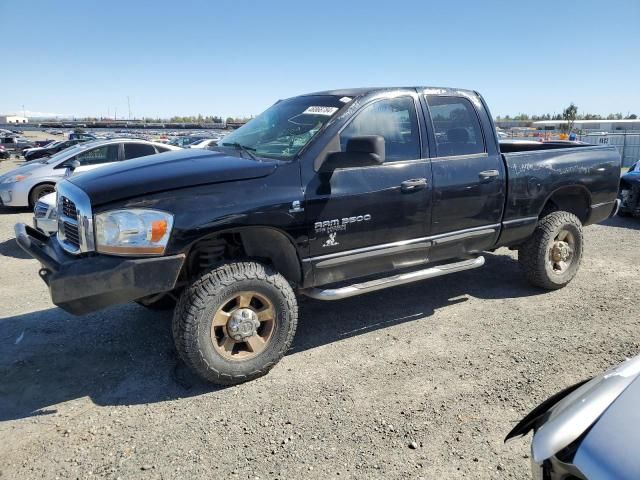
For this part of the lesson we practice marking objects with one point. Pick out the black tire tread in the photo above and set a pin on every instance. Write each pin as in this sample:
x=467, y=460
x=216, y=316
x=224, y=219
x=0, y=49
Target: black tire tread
x=194, y=299
x=532, y=253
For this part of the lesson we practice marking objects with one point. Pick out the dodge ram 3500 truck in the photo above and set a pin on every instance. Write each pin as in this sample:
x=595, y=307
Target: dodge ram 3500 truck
x=329, y=195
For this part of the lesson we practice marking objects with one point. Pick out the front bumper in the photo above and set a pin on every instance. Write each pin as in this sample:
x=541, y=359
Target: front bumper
x=47, y=225
x=81, y=285
x=5, y=196
x=14, y=194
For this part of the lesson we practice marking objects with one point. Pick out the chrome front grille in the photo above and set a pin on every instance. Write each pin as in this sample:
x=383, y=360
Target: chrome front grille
x=69, y=208
x=71, y=233
x=41, y=209
x=75, y=219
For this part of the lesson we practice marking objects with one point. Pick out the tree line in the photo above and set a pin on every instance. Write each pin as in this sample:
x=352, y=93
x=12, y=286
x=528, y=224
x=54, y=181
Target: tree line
x=559, y=116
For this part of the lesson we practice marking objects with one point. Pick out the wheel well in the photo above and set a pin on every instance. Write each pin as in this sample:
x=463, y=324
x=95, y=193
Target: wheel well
x=39, y=185
x=576, y=200
x=267, y=245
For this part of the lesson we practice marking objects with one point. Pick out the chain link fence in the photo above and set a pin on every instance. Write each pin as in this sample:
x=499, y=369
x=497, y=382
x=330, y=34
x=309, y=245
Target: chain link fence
x=628, y=144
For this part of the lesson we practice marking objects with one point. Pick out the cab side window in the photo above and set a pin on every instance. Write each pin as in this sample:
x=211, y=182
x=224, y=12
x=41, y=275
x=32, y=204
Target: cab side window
x=95, y=156
x=394, y=119
x=456, y=126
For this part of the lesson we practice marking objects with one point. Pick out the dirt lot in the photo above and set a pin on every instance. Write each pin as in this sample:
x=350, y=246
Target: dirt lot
x=449, y=363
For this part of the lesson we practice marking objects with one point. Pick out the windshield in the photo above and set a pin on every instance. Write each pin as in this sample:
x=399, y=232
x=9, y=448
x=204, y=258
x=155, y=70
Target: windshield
x=285, y=128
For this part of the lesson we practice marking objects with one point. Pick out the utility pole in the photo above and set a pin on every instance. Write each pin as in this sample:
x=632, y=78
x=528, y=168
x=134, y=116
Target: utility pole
x=24, y=113
x=129, y=105
x=115, y=115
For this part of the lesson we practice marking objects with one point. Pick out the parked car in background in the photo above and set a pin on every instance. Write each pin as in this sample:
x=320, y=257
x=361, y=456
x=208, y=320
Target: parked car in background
x=185, y=141
x=23, y=186
x=45, y=216
x=9, y=142
x=206, y=143
x=630, y=192
x=4, y=154
x=23, y=143
x=590, y=430
x=51, y=149
x=82, y=136
x=37, y=144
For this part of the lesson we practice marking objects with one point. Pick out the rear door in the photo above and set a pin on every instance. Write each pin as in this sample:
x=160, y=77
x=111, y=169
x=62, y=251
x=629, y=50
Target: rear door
x=468, y=176
x=373, y=219
x=136, y=150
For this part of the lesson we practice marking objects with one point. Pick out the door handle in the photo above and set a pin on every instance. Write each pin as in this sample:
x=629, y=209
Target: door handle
x=413, y=184
x=488, y=174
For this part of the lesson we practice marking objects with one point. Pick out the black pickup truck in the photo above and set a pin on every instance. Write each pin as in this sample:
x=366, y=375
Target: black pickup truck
x=329, y=195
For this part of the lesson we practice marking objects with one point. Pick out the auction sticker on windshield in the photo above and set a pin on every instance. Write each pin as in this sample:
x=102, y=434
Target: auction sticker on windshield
x=321, y=111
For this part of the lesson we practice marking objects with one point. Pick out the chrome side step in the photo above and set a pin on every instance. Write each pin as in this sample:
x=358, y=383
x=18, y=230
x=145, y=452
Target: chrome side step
x=401, y=279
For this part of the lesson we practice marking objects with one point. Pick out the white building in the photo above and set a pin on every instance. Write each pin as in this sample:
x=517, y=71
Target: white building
x=13, y=119
x=589, y=125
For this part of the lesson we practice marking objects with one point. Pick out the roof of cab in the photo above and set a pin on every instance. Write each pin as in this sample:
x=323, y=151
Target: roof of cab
x=357, y=92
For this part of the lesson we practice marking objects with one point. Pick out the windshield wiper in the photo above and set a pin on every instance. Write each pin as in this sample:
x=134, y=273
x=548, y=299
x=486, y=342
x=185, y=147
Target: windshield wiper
x=242, y=148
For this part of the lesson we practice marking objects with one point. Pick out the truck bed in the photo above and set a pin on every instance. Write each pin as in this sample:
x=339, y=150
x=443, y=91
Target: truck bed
x=579, y=174
x=514, y=146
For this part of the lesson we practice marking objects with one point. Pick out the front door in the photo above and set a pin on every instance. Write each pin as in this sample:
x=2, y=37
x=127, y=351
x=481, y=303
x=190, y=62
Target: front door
x=373, y=219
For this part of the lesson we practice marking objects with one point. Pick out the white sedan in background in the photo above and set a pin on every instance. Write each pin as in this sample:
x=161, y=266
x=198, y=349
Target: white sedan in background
x=206, y=143
x=45, y=215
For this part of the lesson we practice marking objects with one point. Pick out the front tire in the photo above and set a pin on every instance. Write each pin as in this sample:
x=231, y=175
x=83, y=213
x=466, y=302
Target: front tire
x=235, y=322
x=551, y=257
x=40, y=191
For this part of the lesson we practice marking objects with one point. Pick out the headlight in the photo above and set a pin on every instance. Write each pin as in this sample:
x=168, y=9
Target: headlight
x=133, y=232
x=15, y=178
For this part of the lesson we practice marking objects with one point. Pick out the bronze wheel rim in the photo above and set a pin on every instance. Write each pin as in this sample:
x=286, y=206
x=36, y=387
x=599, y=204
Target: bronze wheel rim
x=243, y=326
x=561, y=252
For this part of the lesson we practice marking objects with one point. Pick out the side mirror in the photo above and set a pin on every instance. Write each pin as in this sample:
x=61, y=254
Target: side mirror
x=71, y=166
x=363, y=151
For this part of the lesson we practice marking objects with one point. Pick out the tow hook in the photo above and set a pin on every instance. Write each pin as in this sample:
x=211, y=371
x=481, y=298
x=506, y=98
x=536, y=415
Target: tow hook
x=44, y=273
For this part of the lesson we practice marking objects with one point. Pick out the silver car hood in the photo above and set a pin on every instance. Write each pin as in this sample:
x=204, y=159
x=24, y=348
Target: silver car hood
x=29, y=167
x=579, y=410
x=610, y=449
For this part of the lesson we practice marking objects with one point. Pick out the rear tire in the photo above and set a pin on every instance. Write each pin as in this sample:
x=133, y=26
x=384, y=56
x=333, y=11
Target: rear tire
x=235, y=322
x=40, y=191
x=552, y=255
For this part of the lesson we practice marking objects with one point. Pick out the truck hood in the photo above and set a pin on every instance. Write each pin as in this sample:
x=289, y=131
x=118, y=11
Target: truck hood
x=167, y=171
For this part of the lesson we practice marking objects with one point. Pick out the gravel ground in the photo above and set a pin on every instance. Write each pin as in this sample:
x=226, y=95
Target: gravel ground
x=449, y=364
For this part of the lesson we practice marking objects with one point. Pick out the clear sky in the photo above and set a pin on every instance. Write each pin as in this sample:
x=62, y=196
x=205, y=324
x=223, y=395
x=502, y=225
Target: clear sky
x=235, y=58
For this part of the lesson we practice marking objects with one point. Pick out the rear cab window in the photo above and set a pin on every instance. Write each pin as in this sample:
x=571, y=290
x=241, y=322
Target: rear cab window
x=455, y=125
